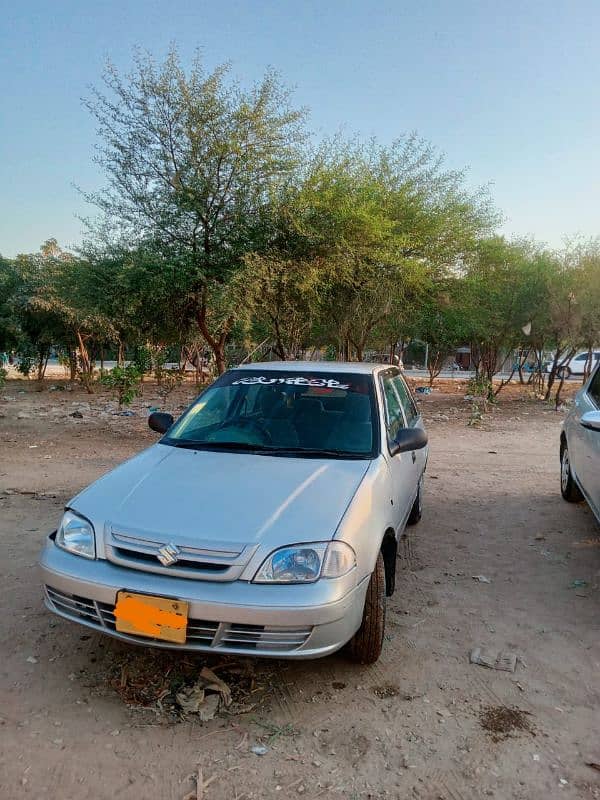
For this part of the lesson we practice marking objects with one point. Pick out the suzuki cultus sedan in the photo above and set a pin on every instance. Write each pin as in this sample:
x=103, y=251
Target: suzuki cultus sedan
x=265, y=521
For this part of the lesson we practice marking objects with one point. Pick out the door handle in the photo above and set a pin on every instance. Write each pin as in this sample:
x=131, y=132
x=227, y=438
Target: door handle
x=414, y=456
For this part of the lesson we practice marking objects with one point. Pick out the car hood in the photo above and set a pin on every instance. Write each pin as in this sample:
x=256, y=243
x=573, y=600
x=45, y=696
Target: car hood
x=195, y=496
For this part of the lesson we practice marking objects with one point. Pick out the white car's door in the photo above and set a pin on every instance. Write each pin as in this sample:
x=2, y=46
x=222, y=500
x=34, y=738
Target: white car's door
x=404, y=467
x=584, y=443
x=413, y=418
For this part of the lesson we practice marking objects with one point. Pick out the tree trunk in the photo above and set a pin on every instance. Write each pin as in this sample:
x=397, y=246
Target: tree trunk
x=40, y=365
x=216, y=345
x=521, y=363
x=72, y=366
x=558, y=391
x=87, y=369
x=434, y=366
x=279, y=346
x=589, y=363
x=219, y=351
x=347, y=356
x=561, y=358
x=358, y=348
x=503, y=383
x=553, y=372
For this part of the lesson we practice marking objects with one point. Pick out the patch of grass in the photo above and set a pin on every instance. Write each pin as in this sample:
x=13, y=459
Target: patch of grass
x=501, y=722
x=275, y=732
x=383, y=692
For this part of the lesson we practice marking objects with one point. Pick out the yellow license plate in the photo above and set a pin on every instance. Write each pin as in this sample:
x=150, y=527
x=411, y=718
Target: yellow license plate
x=154, y=617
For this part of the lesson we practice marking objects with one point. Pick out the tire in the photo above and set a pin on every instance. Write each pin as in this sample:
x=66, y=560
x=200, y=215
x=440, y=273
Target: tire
x=568, y=488
x=564, y=372
x=416, y=511
x=366, y=644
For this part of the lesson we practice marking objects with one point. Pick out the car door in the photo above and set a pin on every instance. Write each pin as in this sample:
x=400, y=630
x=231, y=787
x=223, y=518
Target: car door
x=584, y=443
x=403, y=466
x=413, y=419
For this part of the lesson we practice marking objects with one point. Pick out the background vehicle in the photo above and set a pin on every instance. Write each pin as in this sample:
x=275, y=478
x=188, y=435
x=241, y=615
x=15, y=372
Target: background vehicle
x=265, y=521
x=575, y=365
x=580, y=447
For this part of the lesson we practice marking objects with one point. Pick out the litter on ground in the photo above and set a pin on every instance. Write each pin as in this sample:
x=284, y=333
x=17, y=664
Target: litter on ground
x=494, y=659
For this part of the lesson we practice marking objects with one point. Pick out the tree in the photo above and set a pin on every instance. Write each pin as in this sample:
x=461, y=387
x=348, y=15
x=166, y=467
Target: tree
x=439, y=320
x=583, y=257
x=10, y=283
x=500, y=292
x=191, y=161
x=50, y=311
x=376, y=220
x=284, y=293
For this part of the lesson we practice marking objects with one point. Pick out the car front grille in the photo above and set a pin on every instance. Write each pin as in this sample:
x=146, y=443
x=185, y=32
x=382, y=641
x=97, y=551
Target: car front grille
x=200, y=634
x=212, y=561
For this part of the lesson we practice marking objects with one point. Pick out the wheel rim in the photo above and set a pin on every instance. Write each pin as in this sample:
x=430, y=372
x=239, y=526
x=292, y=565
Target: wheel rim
x=565, y=470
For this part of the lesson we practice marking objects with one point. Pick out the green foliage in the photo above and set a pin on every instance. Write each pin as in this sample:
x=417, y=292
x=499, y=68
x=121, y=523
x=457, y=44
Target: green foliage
x=10, y=282
x=479, y=386
x=142, y=359
x=191, y=159
x=124, y=382
x=220, y=229
x=3, y=376
x=171, y=379
x=26, y=363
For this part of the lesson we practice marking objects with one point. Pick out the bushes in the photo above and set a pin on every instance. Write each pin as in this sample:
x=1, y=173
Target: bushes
x=124, y=382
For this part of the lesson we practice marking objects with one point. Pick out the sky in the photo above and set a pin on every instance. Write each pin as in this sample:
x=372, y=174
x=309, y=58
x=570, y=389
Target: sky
x=508, y=90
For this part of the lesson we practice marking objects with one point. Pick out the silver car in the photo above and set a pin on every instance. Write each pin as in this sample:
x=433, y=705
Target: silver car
x=580, y=447
x=265, y=521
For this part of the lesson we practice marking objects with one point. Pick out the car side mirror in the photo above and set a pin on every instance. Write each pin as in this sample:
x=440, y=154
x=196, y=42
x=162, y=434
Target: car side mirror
x=591, y=420
x=408, y=439
x=160, y=422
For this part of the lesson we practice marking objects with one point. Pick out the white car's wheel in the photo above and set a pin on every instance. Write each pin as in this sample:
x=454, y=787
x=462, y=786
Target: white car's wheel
x=568, y=488
x=366, y=644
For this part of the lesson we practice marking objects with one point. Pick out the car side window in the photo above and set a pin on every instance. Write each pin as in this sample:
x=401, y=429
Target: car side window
x=393, y=410
x=408, y=404
x=594, y=387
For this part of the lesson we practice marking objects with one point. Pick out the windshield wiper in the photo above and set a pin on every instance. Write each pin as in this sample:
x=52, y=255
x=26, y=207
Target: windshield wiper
x=246, y=447
x=317, y=452
x=194, y=444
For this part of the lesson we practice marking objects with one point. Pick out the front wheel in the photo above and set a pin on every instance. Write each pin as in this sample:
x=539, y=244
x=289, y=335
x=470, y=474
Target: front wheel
x=568, y=488
x=366, y=644
x=564, y=373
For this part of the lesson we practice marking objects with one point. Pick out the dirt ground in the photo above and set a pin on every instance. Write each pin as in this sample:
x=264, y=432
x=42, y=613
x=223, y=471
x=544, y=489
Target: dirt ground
x=422, y=723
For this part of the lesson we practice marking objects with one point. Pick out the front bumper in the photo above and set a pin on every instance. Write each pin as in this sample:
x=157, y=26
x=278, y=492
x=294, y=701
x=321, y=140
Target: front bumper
x=237, y=617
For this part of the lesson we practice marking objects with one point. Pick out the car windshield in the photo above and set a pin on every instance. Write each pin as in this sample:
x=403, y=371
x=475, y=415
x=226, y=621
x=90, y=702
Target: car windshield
x=283, y=412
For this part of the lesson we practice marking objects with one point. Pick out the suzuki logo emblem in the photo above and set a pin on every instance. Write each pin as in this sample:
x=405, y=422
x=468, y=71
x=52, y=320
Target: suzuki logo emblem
x=167, y=554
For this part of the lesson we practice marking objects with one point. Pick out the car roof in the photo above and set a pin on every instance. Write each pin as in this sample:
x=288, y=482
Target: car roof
x=316, y=366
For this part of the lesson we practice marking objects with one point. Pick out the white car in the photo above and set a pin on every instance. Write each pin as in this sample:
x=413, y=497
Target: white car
x=580, y=447
x=265, y=521
x=575, y=365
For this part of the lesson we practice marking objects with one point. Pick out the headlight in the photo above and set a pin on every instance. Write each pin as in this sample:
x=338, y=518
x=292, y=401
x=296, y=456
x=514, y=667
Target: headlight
x=76, y=535
x=306, y=563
